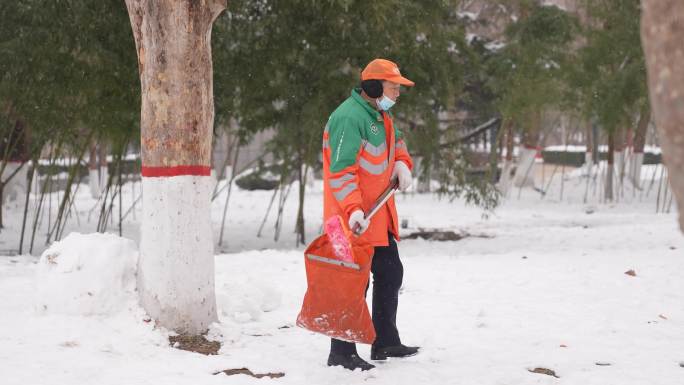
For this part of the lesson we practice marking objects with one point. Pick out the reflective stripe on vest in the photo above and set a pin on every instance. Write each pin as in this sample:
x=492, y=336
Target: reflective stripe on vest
x=338, y=182
x=340, y=195
x=375, y=150
x=375, y=169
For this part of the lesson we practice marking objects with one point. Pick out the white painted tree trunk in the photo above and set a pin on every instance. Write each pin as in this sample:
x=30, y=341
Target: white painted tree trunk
x=93, y=175
x=506, y=178
x=635, y=169
x=35, y=185
x=524, y=173
x=102, y=151
x=15, y=189
x=588, y=164
x=508, y=167
x=104, y=177
x=310, y=177
x=423, y=184
x=619, y=157
x=228, y=173
x=176, y=267
x=94, y=182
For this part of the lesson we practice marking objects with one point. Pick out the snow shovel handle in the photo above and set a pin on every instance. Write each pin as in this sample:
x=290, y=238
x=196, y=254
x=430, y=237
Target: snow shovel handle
x=382, y=199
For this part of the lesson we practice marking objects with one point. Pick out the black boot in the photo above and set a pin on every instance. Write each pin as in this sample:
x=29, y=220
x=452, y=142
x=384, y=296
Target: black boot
x=399, y=351
x=351, y=362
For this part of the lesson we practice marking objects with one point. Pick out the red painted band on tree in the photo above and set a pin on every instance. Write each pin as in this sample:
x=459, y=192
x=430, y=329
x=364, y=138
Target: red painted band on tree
x=151, y=172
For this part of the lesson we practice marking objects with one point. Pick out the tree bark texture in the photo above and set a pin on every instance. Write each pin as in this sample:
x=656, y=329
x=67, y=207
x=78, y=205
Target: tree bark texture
x=662, y=35
x=173, y=39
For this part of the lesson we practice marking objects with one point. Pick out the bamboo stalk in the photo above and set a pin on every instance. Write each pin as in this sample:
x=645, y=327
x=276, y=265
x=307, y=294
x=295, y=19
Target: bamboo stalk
x=59, y=221
x=71, y=208
x=46, y=185
x=268, y=210
x=281, y=207
x=26, y=204
x=660, y=187
x=229, y=186
x=120, y=202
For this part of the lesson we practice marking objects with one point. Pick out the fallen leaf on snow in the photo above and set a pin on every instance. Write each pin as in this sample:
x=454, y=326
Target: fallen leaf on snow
x=232, y=372
x=631, y=272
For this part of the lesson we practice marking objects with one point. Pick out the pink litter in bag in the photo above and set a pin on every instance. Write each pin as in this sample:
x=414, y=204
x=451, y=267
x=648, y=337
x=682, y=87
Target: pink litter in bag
x=339, y=235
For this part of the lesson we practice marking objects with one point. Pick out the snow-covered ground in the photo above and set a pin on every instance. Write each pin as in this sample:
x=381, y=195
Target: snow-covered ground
x=541, y=283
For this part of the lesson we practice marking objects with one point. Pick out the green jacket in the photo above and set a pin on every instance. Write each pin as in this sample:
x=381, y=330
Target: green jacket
x=354, y=122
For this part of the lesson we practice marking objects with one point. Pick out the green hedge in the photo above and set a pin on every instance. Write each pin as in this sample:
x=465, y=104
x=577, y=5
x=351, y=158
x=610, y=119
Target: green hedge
x=127, y=167
x=254, y=181
x=262, y=177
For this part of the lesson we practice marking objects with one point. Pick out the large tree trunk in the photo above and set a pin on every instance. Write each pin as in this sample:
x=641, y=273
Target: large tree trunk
x=662, y=34
x=176, y=266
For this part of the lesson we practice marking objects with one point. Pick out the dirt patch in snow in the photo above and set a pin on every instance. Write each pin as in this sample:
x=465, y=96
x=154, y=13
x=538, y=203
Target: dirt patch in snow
x=197, y=344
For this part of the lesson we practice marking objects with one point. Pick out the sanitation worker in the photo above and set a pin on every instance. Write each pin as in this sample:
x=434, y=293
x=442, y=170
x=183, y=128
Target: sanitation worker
x=362, y=152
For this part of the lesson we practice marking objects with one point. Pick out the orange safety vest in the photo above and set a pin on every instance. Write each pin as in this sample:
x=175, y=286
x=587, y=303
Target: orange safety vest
x=358, y=185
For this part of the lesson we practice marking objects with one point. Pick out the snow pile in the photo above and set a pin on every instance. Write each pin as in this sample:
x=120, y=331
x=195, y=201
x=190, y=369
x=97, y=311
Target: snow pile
x=87, y=274
x=245, y=300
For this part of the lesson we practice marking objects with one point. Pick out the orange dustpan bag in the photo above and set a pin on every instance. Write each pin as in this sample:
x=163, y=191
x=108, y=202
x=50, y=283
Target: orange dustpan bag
x=335, y=303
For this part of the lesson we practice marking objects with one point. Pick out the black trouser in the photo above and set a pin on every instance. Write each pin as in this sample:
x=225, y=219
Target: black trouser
x=388, y=273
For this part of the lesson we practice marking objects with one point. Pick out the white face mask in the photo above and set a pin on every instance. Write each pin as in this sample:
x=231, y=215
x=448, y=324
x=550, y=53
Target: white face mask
x=385, y=103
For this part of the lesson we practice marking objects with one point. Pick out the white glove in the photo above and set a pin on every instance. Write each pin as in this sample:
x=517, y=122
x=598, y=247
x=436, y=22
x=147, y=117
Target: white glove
x=357, y=222
x=402, y=172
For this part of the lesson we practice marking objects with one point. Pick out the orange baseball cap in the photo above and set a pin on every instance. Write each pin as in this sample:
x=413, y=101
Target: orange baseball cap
x=381, y=69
